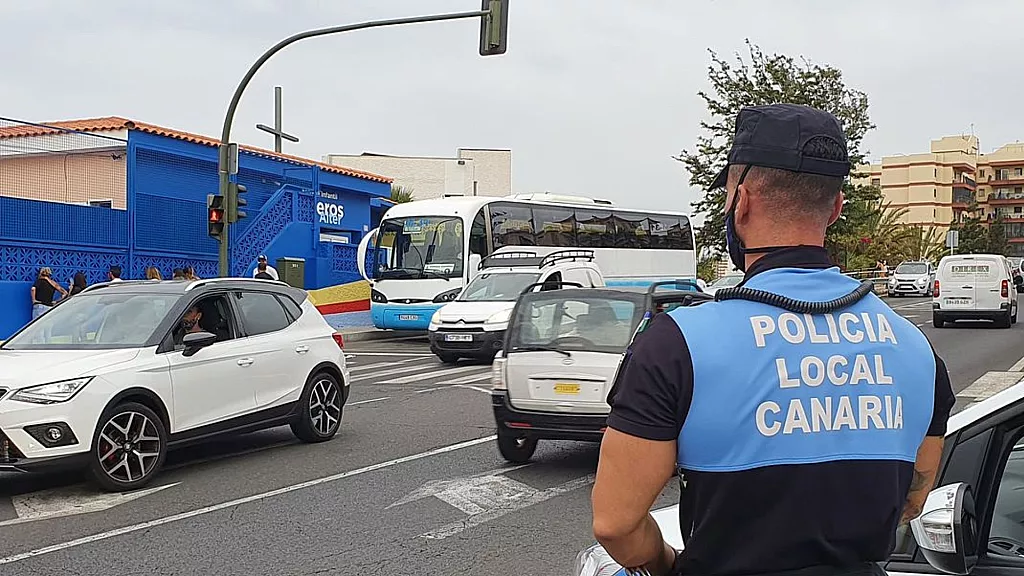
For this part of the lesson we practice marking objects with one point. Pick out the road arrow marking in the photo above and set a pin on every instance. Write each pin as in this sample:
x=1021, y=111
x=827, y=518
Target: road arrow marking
x=485, y=497
x=59, y=502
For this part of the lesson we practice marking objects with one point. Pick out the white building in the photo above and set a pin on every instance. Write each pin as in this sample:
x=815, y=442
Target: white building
x=472, y=172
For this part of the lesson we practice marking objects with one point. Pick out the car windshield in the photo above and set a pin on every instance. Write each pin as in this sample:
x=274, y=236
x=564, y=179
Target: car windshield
x=912, y=269
x=96, y=320
x=421, y=247
x=726, y=281
x=575, y=323
x=492, y=287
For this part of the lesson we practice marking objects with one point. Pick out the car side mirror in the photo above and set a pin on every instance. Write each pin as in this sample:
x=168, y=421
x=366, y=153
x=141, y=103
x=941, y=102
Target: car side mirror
x=947, y=529
x=702, y=284
x=1018, y=280
x=196, y=341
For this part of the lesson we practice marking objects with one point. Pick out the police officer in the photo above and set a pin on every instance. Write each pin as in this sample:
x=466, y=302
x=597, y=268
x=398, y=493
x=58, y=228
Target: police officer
x=804, y=440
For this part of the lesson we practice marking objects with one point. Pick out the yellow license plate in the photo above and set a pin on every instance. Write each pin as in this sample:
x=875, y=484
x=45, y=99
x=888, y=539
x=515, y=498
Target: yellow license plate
x=567, y=388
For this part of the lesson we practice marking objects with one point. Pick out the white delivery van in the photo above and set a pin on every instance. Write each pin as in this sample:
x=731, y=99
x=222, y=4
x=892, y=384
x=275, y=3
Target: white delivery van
x=974, y=287
x=473, y=325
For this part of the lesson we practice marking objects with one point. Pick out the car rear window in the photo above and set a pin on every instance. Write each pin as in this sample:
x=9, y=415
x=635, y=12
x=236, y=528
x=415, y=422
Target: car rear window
x=575, y=323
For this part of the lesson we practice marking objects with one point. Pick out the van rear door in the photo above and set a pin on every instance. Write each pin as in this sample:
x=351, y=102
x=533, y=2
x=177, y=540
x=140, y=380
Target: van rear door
x=970, y=283
x=988, y=278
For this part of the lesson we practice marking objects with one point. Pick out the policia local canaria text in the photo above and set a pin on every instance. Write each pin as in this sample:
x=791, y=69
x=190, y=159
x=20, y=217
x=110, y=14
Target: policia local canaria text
x=881, y=410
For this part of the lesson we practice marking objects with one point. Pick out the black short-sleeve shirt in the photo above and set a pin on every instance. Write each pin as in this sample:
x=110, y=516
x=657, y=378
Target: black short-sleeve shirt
x=775, y=518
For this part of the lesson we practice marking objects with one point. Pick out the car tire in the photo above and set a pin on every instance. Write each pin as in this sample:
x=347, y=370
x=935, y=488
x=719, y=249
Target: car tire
x=448, y=358
x=938, y=321
x=1013, y=317
x=1005, y=321
x=128, y=449
x=320, y=410
x=516, y=449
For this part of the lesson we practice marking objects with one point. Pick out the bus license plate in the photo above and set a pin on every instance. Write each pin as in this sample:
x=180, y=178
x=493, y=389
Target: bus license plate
x=563, y=388
x=458, y=337
x=408, y=317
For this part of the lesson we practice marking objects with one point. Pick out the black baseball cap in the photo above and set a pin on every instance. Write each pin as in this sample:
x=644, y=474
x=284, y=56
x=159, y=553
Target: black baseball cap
x=774, y=136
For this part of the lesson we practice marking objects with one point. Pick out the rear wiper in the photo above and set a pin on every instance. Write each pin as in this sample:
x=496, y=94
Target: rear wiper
x=542, y=349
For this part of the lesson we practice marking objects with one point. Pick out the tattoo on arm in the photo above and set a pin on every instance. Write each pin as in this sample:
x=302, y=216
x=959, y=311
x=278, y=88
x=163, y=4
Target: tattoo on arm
x=915, y=504
x=919, y=481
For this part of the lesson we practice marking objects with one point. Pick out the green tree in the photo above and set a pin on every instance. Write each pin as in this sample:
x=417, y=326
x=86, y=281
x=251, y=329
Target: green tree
x=401, y=194
x=925, y=243
x=997, y=243
x=772, y=79
x=974, y=238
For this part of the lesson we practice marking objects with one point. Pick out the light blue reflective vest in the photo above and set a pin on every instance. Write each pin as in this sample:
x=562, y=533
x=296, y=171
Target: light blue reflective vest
x=773, y=387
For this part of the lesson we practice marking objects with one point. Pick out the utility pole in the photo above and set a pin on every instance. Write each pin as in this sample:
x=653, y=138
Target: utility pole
x=493, y=40
x=278, y=129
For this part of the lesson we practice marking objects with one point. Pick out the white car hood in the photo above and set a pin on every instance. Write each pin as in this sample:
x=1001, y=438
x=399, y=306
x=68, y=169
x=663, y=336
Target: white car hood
x=909, y=277
x=472, y=311
x=20, y=368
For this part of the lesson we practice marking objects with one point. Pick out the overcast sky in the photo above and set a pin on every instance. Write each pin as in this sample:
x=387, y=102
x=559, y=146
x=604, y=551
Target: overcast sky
x=593, y=96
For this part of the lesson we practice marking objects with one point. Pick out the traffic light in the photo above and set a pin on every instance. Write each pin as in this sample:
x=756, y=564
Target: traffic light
x=494, y=27
x=235, y=202
x=215, y=215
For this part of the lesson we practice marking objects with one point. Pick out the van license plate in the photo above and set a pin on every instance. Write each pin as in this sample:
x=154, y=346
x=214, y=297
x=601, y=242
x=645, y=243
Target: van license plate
x=958, y=301
x=458, y=337
x=408, y=317
x=567, y=388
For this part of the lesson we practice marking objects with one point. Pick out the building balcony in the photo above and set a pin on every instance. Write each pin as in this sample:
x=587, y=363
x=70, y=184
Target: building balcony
x=964, y=181
x=1004, y=198
x=962, y=197
x=1004, y=180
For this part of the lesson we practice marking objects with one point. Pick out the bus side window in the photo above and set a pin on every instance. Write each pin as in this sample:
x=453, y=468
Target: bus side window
x=478, y=235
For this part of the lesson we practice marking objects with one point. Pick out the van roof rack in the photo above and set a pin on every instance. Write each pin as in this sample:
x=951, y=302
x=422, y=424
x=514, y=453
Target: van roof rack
x=573, y=255
x=509, y=259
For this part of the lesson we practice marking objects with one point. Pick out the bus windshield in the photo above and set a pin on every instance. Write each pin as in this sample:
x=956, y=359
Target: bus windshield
x=420, y=247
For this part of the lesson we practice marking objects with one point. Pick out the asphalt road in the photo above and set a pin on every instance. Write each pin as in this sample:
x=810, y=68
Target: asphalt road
x=413, y=484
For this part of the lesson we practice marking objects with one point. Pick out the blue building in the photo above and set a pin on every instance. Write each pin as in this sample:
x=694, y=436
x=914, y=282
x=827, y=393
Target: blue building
x=88, y=194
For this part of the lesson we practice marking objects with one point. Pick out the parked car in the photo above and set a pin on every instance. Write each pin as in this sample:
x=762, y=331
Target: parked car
x=975, y=287
x=122, y=372
x=912, y=279
x=974, y=519
x=474, y=324
x=561, y=357
x=727, y=281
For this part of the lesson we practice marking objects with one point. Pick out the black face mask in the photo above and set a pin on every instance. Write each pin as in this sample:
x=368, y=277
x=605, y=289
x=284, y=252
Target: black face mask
x=737, y=249
x=189, y=324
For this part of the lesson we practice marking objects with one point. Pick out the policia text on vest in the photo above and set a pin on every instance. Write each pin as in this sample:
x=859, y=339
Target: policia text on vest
x=880, y=409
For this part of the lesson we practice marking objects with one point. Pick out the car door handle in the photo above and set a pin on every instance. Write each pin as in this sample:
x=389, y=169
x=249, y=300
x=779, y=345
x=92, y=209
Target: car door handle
x=302, y=349
x=244, y=361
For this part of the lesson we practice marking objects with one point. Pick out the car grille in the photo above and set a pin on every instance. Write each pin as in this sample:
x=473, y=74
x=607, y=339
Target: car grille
x=9, y=453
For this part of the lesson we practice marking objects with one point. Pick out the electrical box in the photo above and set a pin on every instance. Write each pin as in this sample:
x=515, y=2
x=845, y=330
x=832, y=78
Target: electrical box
x=292, y=271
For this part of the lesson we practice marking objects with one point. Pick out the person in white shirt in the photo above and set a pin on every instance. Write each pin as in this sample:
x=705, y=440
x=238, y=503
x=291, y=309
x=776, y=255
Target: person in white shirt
x=114, y=275
x=262, y=267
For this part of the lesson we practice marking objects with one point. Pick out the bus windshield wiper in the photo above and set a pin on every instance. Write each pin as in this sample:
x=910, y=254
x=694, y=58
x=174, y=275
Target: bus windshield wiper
x=542, y=349
x=436, y=274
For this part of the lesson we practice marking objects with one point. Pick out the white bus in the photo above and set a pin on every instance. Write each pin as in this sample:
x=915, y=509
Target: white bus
x=425, y=251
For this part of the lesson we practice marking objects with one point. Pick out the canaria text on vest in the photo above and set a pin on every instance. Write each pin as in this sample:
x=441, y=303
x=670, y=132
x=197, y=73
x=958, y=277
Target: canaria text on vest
x=852, y=407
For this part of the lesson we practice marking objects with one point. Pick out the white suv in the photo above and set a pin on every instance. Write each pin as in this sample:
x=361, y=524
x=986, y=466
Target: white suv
x=114, y=376
x=975, y=287
x=474, y=324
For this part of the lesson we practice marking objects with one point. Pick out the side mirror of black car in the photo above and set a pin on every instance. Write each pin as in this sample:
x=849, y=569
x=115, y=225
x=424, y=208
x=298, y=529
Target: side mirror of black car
x=196, y=341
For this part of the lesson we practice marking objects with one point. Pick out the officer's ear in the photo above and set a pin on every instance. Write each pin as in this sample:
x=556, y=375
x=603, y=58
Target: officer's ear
x=837, y=208
x=743, y=198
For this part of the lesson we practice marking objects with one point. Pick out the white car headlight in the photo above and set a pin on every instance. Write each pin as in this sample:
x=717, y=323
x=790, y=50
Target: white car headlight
x=52, y=392
x=499, y=317
x=435, y=320
x=595, y=561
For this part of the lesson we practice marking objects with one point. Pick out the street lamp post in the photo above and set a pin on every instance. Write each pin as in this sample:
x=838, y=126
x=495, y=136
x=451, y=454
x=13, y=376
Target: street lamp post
x=493, y=30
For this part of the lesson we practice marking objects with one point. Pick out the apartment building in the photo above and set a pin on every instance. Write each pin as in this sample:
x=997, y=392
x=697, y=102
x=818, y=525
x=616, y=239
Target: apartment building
x=936, y=188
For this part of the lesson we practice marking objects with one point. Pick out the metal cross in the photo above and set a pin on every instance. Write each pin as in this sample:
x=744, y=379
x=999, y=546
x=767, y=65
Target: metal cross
x=277, y=130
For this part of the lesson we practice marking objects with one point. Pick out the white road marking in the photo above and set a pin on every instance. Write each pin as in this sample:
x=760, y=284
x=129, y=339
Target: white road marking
x=1018, y=366
x=368, y=401
x=382, y=373
x=381, y=365
x=238, y=502
x=477, y=388
x=468, y=379
x=59, y=502
x=427, y=375
x=989, y=384
x=395, y=354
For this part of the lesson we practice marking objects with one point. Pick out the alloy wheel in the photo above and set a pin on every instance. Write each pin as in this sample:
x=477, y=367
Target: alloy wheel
x=324, y=406
x=129, y=447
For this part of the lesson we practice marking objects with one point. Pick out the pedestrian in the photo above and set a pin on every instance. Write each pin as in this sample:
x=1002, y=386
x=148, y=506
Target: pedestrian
x=114, y=274
x=177, y=274
x=43, y=291
x=786, y=463
x=152, y=273
x=78, y=283
x=263, y=268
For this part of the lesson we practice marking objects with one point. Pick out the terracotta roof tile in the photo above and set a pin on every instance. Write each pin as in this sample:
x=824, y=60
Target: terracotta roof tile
x=111, y=123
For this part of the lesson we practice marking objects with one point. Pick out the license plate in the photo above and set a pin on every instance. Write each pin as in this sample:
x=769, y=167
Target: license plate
x=567, y=388
x=958, y=301
x=410, y=317
x=458, y=337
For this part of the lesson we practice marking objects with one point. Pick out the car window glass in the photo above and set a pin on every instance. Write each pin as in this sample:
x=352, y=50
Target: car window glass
x=293, y=309
x=211, y=315
x=1006, y=535
x=261, y=313
x=576, y=323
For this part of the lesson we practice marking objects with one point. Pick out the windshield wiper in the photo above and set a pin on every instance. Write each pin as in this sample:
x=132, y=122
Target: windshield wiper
x=423, y=274
x=542, y=349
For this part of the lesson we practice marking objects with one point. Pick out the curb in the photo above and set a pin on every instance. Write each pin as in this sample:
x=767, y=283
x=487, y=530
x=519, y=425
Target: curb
x=370, y=334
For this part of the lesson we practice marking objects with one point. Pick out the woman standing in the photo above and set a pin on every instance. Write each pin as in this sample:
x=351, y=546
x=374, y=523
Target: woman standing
x=152, y=273
x=78, y=283
x=43, y=291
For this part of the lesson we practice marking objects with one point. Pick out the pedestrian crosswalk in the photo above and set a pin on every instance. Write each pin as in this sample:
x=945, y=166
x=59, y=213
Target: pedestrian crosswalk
x=413, y=371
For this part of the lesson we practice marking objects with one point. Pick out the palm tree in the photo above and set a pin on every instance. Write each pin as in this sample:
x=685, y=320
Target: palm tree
x=401, y=194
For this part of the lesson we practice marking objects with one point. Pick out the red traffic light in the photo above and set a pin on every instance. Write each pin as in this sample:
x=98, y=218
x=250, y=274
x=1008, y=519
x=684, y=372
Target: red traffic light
x=216, y=215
